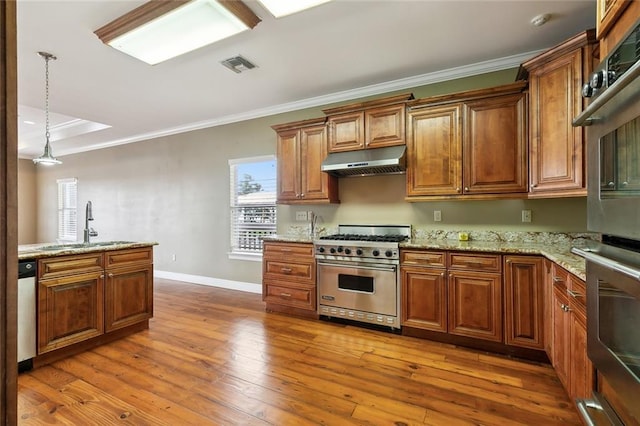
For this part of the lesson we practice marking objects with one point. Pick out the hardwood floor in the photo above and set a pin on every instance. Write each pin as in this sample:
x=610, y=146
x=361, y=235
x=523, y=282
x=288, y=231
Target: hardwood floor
x=213, y=356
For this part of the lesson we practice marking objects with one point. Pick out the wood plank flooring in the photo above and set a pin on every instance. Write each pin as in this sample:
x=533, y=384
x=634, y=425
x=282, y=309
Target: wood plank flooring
x=214, y=357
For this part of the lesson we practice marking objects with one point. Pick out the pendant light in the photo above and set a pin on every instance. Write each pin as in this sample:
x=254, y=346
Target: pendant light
x=47, y=158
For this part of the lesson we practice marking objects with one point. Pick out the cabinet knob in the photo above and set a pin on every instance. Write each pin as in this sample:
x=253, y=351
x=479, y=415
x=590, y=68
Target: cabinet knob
x=611, y=184
x=458, y=189
x=101, y=276
x=110, y=275
x=533, y=185
x=466, y=188
x=508, y=260
x=302, y=195
x=442, y=274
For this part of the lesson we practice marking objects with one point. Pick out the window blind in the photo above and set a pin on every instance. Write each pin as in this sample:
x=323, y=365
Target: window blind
x=67, y=209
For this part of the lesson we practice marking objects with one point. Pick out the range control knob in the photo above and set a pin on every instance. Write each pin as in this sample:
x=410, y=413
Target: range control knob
x=340, y=249
x=332, y=250
x=388, y=253
x=359, y=252
x=597, y=79
x=321, y=249
x=376, y=252
x=587, y=90
x=347, y=251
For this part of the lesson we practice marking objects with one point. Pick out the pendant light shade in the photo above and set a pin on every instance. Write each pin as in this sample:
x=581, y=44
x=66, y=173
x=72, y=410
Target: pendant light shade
x=47, y=157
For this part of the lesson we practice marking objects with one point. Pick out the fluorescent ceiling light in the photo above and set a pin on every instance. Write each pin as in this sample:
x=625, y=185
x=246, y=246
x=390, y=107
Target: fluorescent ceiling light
x=279, y=8
x=157, y=31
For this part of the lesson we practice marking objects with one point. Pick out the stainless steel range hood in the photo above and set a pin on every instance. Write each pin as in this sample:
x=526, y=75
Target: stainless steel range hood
x=366, y=162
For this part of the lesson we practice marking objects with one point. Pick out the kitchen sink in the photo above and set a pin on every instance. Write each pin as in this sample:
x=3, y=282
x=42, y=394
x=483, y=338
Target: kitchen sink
x=82, y=245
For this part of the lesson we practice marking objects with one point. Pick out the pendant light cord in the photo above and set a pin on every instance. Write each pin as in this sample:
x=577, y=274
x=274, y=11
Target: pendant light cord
x=46, y=97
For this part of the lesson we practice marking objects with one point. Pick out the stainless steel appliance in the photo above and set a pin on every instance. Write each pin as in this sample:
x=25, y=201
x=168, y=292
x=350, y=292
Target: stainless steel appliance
x=26, y=314
x=358, y=273
x=613, y=203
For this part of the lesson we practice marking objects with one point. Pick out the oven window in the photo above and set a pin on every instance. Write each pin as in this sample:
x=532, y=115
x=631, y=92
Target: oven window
x=620, y=162
x=619, y=322
x=355, y=283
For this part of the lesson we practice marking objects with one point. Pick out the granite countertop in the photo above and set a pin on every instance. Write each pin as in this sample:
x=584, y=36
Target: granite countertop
x=37, y=251
x=556, y=251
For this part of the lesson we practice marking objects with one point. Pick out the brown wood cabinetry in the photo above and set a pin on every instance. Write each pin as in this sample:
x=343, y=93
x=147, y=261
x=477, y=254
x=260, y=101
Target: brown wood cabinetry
x=557, y=156
x=457, y=293
x=608, y=15
x=289, y=278
x=78, y=299
x=547, y=296
x=128, y=287
x=523, y=283
x=371, y=124
x=301, y=148
x=455, y=141
x=570, y=358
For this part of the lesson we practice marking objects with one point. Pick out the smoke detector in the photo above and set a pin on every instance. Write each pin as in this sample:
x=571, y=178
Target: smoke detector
x=540, y=20
x=238, y=64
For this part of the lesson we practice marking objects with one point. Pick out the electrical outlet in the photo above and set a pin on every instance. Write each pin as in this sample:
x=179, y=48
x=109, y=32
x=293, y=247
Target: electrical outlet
x=301, y=216
x=437, y=216
x=526, y=215
x=173, y=257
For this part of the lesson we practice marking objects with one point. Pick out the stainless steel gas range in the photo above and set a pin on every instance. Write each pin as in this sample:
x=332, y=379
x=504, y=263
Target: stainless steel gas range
x=358, y=273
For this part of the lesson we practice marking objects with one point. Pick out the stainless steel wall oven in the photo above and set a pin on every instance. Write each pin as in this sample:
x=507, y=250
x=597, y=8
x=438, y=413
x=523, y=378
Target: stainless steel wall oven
x=613, y=207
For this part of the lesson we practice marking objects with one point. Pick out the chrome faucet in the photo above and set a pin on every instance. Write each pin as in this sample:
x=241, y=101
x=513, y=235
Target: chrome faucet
x=88, y=232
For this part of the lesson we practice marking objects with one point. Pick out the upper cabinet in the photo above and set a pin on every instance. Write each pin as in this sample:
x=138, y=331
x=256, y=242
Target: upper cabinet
x=468, y=145
x=557, y=160
x=614, y=19
x=372, y=124
x=301, y=148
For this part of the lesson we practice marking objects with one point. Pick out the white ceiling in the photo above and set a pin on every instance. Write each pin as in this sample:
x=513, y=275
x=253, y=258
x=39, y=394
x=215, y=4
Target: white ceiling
x=337, y=51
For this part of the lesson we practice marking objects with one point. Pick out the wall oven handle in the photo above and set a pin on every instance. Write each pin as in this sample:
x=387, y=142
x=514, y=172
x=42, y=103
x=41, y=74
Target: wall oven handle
x=360, y=266
x=586, y=117
x=607, y=263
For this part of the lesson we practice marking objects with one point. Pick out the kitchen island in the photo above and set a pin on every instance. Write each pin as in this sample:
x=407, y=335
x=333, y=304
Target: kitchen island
x=89, y=294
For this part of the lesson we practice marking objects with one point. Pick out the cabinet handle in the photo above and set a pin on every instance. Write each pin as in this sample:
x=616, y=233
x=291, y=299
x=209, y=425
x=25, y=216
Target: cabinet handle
x=533, y=185
x=558, y=280
x=285, y=270
x=574, y=294
x=285, y=294
x=285, y=250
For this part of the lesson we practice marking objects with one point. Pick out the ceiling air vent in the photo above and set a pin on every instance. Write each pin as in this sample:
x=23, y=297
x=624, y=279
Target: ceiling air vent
x=237, y=64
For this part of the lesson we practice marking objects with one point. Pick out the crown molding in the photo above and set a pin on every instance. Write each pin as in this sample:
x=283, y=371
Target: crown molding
x=346, y=95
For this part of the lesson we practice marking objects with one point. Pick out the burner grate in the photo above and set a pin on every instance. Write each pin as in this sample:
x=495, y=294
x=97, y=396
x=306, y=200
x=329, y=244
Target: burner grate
x=360, y=237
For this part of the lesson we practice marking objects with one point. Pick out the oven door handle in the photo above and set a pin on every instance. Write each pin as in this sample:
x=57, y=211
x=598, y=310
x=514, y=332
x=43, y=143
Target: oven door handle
x=360, y=266
x=607, y=263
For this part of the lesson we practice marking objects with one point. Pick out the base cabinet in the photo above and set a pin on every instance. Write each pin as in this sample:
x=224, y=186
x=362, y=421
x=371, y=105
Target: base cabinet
x=82, y=297
x=524, y=303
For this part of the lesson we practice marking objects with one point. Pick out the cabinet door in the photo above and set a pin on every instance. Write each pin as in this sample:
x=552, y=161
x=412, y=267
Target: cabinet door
x=556, y=149
x=494, y=145
x=128, y=296
x=384, y=126
x=288, y=165
x=581, y=367
x=475, y=304
x=424, y=298
x=561, y=334
x=607, y=12
x=434, y=148
x=523, y=280
x=547, y=320
x=70, y=310
x=346, y=132
x=314, y=183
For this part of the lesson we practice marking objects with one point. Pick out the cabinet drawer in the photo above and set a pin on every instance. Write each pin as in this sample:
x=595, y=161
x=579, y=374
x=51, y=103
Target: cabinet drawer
x=54, y=267
x=577, y=291
x=559, y=277
x=423, y=258
x=476, y=262
x=287, y=249
x=304, y=298
x=128, y=257
x=285, y=271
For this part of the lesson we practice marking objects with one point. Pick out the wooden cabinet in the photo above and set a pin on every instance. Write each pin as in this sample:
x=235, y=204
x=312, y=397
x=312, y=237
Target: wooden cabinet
x=557, y=155
x=615, y=19
x=424, y=290
x=547, y=317
x=475, y=296
x=289, y=278
x=464, y=299
x=364, y=125
x=454, y=143
x=128, y=287
x=523, y=283
x=78, y=299
x=301, y=148
x=570, y=358
x=607, y=14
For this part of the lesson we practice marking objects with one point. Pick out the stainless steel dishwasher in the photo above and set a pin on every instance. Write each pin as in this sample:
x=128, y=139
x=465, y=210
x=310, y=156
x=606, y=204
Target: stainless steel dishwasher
x=26, y=314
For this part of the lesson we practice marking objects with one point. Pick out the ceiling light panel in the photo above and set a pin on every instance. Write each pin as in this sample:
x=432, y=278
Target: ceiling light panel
x=280, y=8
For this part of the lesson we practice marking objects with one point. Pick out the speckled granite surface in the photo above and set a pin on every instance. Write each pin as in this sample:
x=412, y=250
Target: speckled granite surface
x=37, y=251
x=555, y=246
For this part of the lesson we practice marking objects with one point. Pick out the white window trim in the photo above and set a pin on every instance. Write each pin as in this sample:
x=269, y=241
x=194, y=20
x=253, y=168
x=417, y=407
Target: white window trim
x=247, y=256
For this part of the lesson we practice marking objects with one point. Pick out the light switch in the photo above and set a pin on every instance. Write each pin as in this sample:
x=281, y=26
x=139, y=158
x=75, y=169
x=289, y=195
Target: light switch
x=301, y=216
x=437, y=216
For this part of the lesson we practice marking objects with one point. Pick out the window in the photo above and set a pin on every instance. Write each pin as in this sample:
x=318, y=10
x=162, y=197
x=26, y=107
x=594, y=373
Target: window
x=67, y=209
x=253, y=203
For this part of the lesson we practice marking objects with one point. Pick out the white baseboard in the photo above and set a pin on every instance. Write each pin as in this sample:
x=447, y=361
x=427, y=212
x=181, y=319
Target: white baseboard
x=213, y=282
